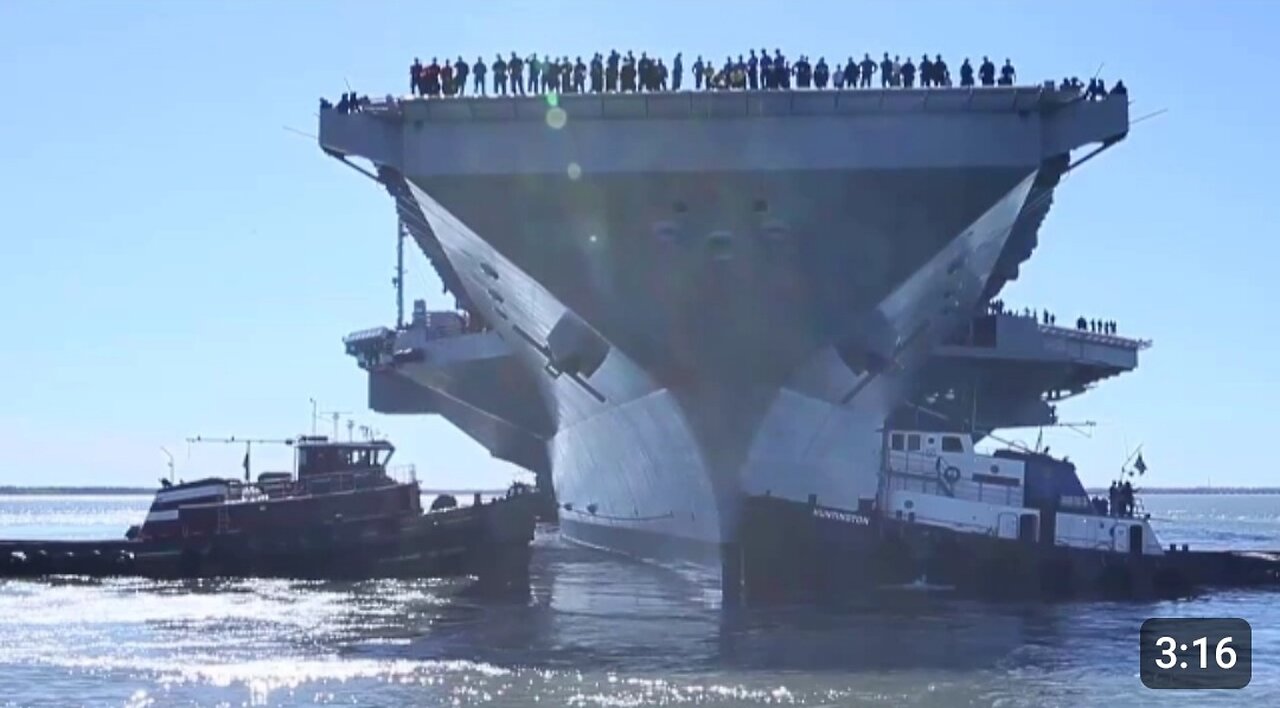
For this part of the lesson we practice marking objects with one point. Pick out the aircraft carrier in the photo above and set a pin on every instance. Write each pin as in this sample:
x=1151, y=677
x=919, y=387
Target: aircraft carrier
x=668, y=302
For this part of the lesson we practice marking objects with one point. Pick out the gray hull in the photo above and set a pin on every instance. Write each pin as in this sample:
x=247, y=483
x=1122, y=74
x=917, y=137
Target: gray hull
x=739, y=384
x=701, y=317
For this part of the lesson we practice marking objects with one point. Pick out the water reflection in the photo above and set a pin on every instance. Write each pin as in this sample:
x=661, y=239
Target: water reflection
x=591, y=611
x=596, y=629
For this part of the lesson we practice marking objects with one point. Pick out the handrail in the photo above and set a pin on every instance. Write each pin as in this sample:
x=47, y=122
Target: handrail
x=1079, y=334
x=396, y=106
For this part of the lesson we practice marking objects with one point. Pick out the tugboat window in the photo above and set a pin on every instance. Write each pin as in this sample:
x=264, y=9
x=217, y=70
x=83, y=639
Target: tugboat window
x=896, y=442
x=913, y=443
x=951, y=443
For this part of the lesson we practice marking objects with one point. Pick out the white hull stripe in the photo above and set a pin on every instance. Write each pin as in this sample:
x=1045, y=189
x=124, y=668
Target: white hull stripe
x=171, y=515
x=207, y=490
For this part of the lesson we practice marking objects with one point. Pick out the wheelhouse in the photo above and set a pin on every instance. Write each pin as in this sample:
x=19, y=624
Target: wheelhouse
x=938, y=479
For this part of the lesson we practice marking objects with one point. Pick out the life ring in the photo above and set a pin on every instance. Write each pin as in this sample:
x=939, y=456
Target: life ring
x=950, y=474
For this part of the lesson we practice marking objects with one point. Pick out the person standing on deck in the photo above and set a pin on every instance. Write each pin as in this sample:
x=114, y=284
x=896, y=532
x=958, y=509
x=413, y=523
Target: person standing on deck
x=579, y=76
x=677, y=72
x=415, y=77
x=926, y=72
x=597, y=73
x=1007, y=74
x=548, y=68
x=535, y=73
x=499, y=76
x=431, y=76
x=479, y=69
x=629, y=73
x=460, y=71
x=446, y=78
x=908, y=74
x=941, y=74
x=868, y=68
x=515, y=67
x=611, y=72
x=821, y=73
x=987, y=72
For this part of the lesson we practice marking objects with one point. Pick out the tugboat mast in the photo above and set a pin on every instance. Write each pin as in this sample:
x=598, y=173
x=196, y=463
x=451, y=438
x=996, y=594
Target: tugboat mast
x=169, y=463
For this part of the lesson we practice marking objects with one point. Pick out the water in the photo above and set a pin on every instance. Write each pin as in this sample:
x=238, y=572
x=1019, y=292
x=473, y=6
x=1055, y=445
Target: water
x=598, y=631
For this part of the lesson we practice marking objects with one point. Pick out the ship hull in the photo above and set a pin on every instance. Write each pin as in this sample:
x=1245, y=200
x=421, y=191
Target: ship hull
x=660, y=435
x=714, y=294
x=792, y=552
x=488, y=542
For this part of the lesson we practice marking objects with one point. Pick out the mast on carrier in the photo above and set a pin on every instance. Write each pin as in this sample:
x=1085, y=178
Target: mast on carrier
x=401, y=232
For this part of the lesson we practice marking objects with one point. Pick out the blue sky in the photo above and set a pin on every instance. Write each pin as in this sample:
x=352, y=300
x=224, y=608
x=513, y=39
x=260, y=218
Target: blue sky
x=174, y=262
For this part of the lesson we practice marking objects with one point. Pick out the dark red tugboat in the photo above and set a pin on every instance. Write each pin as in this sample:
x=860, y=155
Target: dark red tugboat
x=342, y=513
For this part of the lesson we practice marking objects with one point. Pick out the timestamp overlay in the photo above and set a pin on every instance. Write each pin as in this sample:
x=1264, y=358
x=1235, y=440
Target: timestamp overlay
x=1195, y=653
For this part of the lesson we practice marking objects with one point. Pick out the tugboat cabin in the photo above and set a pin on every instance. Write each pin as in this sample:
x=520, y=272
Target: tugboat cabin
x=937, y=479
x=332, y=482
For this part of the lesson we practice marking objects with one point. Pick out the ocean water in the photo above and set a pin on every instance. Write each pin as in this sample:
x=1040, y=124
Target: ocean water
x=597, y=631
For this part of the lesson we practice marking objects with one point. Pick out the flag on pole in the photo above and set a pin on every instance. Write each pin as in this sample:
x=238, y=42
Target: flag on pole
x=246, y=464
x=1140, y=465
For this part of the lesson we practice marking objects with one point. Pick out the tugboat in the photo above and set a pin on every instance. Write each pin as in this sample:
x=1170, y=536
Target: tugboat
x=342, y=513
x=1013, y=525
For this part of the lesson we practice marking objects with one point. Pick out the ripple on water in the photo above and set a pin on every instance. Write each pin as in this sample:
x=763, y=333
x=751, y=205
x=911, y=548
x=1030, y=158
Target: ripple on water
x=598, y=631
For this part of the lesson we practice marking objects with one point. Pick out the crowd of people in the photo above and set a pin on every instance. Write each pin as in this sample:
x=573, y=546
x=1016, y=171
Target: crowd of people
x=514, y=75
x=1120, y=501
x=616, y=72
x=349, y=103
x=1095, y=326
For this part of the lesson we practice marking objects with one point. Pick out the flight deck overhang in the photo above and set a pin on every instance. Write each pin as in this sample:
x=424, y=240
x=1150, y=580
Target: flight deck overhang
x=725, y=131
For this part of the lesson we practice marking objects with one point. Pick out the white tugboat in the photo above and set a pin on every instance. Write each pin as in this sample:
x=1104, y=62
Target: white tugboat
x=1011, y=524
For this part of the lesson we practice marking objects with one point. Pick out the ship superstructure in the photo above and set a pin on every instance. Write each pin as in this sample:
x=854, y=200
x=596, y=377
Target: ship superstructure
x=670, y=301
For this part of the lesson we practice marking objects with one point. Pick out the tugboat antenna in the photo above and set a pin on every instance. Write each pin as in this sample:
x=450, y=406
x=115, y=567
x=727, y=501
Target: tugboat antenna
x=170, y=463
x=336, y=415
